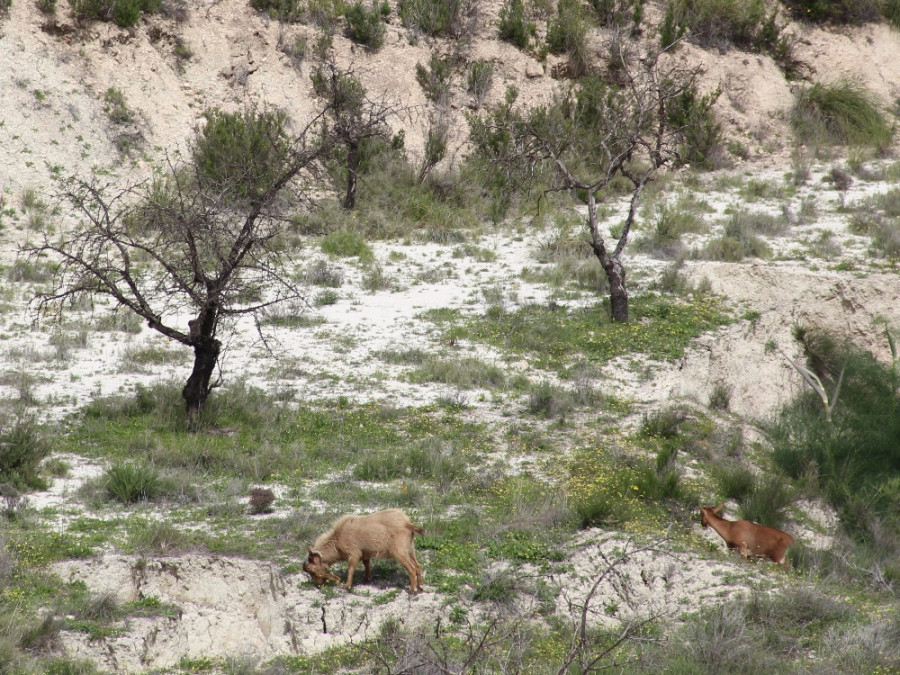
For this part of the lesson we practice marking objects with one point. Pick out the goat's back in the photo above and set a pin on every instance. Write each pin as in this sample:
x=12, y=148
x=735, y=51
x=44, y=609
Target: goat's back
x=378, y=535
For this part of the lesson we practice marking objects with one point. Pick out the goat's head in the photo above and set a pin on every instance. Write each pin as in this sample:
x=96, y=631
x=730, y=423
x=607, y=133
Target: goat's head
x=319, y=571
x=707, y=511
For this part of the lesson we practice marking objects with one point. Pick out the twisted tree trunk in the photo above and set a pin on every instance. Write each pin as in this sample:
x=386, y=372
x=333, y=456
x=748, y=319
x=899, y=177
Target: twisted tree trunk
x=196, y=391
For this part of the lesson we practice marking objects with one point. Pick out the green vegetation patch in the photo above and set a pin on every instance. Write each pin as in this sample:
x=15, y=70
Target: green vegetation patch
x=661, y=328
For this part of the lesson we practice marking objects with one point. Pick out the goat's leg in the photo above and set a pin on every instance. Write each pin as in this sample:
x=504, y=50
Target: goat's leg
x=351, y=568
x=419, y=577
x=367, y=577
x=410, y=569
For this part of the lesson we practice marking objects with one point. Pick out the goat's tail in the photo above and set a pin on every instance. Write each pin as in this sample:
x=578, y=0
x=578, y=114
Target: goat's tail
x=415, y=529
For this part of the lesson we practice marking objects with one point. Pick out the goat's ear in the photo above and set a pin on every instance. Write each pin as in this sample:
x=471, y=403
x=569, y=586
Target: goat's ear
x=719, y=508
x=313, y=555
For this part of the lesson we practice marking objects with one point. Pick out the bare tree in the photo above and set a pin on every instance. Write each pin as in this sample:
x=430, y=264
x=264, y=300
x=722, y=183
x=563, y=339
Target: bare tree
x=197, y=246
x=598, y=131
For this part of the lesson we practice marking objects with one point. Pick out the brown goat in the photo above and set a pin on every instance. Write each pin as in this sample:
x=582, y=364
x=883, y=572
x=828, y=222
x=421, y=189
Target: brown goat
x=385, y=534
x=750, y=539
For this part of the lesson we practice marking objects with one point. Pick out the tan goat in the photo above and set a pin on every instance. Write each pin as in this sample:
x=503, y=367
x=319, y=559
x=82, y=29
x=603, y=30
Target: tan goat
x=384, y=534
x=750, y=539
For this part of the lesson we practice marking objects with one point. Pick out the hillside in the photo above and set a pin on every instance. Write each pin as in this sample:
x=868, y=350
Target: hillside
x=410, y=378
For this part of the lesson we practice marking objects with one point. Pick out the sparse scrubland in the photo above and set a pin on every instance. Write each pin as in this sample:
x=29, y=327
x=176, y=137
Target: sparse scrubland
x=532, y=271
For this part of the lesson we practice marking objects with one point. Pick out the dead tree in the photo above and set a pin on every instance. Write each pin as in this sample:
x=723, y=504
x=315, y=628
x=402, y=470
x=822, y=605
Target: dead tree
x=599, y=130
x=195, y=248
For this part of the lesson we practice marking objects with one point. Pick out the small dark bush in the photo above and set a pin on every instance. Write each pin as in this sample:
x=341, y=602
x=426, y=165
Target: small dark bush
x=766, y=503
x=853, y=12
x=478, y=79
x=125, y=13
x=261, y=500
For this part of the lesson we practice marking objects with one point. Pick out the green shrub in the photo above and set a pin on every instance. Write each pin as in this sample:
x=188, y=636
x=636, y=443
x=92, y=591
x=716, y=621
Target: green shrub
x=567, y=34
x=156, y=537
x=432, y=459
x=131, y=482
x=514, y=25
x=699, y=134
x=720, y=397
x=22, y=449
x=841, y=113
x=478, y=80
x=890, y=9
x=733, y=479
x=466, y=373
x=886, y=239
x=854, y=460
x=435, y=78
x=719, y=23
x=365, y=25
x=241, y=154
x=116, y=107
x=550, y=401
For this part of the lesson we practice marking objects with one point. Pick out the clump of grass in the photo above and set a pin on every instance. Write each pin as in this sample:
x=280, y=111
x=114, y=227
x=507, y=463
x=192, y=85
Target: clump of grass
x=720, y=396
x=668, y=225
x=321, y=273
x=131, y=482
x=759, y=634
x=347, y=244
x=665, y=423
x=739, y=240
x=551, y=401
x=427, y=460
x=156, y=537
x=448, y=18
x=767, y=501
x=479, y=76
x=567, y=34
x=137, y=358
x=466, y=373
x=733, y=479
x=840, y=113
